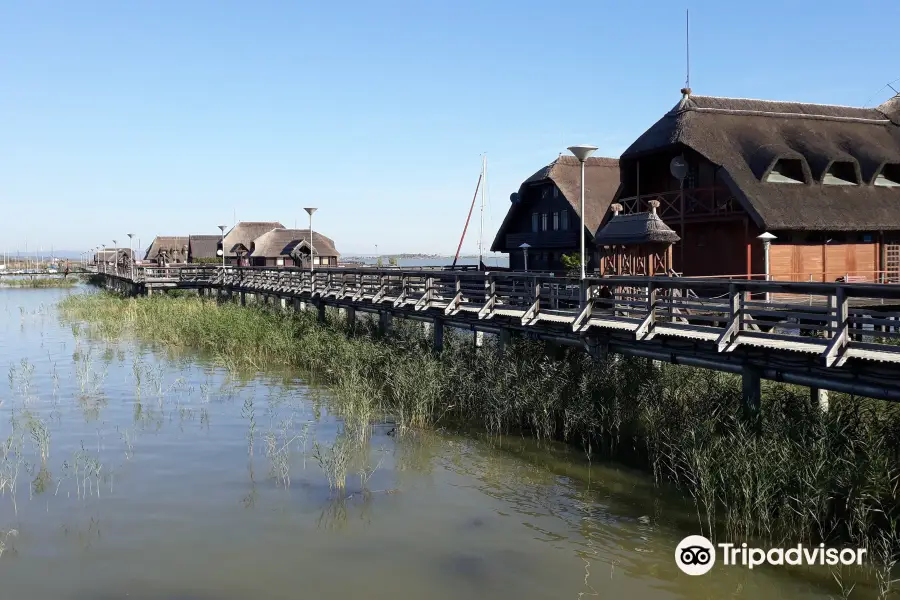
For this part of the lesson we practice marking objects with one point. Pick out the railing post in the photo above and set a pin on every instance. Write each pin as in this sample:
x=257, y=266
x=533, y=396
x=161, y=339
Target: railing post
x=838, y=329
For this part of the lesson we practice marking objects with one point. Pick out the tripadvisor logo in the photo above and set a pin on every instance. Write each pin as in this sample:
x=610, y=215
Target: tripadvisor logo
x=696, y=555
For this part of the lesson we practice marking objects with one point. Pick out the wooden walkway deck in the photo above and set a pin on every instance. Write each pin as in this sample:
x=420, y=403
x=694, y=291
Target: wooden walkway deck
x=839, y=336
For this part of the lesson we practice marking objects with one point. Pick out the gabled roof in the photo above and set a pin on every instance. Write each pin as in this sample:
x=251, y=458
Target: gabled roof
x=601, y=183
x=175, y=245
x=204, y=246
x=245, y=232
x=748, y=137
x=281, y=242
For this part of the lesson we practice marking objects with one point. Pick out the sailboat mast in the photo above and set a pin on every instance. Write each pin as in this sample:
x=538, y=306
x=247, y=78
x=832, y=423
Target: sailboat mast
x=481, y=226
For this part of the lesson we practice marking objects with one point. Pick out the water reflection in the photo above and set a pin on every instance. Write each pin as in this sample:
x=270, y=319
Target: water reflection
x=129, y=469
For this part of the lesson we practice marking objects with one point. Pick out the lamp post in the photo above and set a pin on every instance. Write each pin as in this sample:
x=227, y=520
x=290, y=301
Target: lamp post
x=312, y=250
x=103, y=254
x=115, y=250
x=222, y=229
x=525, y=246
x=582, y=153
x=131, y=252
x=766, y=238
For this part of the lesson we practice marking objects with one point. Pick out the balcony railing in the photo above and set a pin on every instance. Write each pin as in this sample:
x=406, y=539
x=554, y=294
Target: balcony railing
x=697, y=202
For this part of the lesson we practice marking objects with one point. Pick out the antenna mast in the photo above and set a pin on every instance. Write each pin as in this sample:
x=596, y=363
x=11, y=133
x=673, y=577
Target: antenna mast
x=481, y=226
x=687, y=36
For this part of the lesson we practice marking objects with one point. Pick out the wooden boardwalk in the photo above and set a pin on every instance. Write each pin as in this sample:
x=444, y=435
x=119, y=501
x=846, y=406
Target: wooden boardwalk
x=836, y=336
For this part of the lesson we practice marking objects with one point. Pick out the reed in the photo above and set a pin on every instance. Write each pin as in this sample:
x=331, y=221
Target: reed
x=796, y=474
x=39, y=282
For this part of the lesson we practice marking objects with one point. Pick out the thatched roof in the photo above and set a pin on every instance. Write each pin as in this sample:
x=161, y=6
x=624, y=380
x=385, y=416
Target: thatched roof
x=635, y=228
x=245, y=232
x=601, y=177
x=111, y=254
x=204, y=246
x=281, y=242
x=748, y=137
x=175, y=245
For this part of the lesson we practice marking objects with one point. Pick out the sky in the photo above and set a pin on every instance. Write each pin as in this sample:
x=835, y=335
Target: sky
x=170, y=117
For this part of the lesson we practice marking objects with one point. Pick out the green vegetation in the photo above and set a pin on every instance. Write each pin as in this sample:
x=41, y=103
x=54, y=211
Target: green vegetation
x=39, y=282
x=572, y=263
x=795, y=474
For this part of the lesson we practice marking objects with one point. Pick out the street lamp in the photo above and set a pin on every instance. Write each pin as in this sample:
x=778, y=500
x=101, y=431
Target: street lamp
x=766, y=238
x=582, y=153
x=525, y=246
x=104, y=257
x=312, y=250
x=222, y=229
x=131, y=252
x=115, y=256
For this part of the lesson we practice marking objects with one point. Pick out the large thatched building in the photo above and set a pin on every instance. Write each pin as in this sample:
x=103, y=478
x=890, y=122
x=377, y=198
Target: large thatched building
x=204, y=249
x=824, y=180
x=545, y=212
x=291, y=247
x=168, y=249
x=239, y=240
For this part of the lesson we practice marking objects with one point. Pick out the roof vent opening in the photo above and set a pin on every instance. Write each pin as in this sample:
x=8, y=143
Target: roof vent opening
x=889, y=176
x=787, y=170
x=840, y=173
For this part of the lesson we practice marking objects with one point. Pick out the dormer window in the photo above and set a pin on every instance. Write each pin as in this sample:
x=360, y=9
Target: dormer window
x=889, y=176
x=840, y=173
x=787, y=170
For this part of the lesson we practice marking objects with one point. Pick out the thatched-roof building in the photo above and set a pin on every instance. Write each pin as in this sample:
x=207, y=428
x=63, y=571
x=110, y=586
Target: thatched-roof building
x=291, y=247
x=204, y=248
x=112, y=255
x=545, y=212
x=825, y=180
x=240, y=238
x=635, y=244
x=170, y=249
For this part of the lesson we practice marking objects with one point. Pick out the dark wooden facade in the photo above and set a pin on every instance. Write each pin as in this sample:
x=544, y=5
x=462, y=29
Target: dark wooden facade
x=545, y=213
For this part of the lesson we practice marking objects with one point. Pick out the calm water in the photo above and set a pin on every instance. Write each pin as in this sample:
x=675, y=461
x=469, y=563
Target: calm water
x=150, y=491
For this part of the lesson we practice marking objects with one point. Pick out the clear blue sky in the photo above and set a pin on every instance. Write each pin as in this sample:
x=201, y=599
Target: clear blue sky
x=164, y=117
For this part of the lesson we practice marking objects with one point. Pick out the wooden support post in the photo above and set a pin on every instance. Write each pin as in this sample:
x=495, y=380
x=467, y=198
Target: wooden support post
x=384, y=322
x=505, y=336
x=149, y=291
x=296, y=304
x=478, y=338
x=819, y=397
x=752, y=391
x=350, y=316
x=438, y=343
x=284, y=304
x=320, y=307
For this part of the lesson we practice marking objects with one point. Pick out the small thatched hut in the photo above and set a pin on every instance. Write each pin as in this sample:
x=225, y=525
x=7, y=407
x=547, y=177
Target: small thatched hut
x=635, y=244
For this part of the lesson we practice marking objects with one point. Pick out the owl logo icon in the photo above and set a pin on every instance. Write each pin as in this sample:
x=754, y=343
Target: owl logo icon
x=695, y=555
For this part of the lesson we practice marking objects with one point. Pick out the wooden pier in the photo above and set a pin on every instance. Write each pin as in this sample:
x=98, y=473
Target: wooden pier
x=842, y=337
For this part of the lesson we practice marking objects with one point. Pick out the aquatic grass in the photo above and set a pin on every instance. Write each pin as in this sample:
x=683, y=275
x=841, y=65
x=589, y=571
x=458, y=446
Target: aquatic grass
x=39, y=282
x=797, y=474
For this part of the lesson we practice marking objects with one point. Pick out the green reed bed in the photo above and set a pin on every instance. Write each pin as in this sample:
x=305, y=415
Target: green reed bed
x=38, y=282
x=796, y=474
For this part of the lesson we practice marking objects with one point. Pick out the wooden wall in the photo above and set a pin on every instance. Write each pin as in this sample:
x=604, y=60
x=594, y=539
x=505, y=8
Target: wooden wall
x=712, y=249
x=823, y=262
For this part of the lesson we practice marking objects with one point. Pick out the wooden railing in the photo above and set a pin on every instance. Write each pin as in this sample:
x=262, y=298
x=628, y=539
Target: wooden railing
x=837, y=321
x=698, y=202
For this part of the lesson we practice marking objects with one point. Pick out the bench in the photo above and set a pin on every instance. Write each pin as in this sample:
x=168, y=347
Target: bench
x=852, y=279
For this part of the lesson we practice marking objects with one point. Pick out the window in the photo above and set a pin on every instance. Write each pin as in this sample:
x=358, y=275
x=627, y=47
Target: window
x=556, y=221
x=889, y=176
x=279, y=262
x=787, y=170
x=564, y=217
x=534, y=222
x=544, y=222
x=317, y=260
x=840, y=173
x=555, y=192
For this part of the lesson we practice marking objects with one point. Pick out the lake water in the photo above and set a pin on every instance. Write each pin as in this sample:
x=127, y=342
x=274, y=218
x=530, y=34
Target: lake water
x=194, y=484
